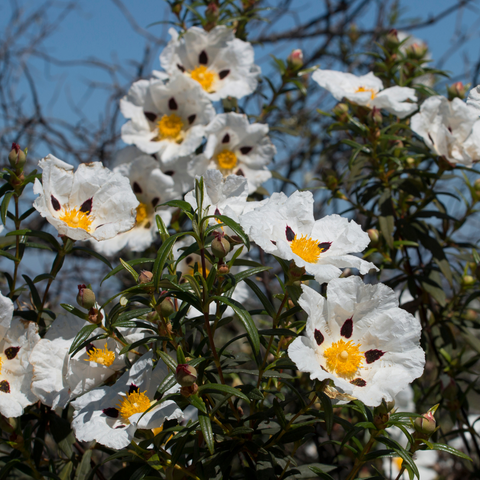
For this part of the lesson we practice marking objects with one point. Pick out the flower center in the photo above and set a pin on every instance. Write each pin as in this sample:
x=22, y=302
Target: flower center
x=170, y=128
x=373, y=93
x=103, y=356
x=75, y=218
x=227, y=160
x=343, y=358
x=204, y=77
x=200, y=270
x=306, y=248
x=142, y=213
x=134, y=402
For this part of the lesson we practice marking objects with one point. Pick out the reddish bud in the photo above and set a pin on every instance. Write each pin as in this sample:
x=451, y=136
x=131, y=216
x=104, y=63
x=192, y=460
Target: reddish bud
x=17, y=157
x=426, y=424
x=295, y=59
x=186, y=375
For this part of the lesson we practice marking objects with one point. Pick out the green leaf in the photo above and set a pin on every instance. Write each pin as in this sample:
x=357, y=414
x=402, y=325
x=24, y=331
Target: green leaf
x=130, y=270
x=5, y=254
x=93, y=253
x=446, y=448
x=262, y=297
x=82, y=335
x=245, y=318
x=327, y=408
x=37, y=233
x=84, y=468
x=236, y=228
x=78, y=313
x=168, y=360
x=180, y=356
x=181, y=204
x=403, y=454
x=4, y=206
x=249, y=272
x=198, y=403
x=137, y=261
x=33, y=290
x=226, y=389
x=162, y=255
x=207, y=431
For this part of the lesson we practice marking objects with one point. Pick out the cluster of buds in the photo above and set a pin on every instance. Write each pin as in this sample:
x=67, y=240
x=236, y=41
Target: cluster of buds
x=457, y=90
x=186, y=376
x=17, y=157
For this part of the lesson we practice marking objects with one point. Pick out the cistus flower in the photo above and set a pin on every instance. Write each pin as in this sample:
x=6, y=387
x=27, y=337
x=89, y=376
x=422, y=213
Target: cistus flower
x=219, y=62
x=359, y=338
x=17, y=339
x=234, y=146
x=449, y=128
x=367, y=90
x=92, y=202
x=59, y=377
x=111, y=415
x=285, y=227
x=152, y=187
x=168, y=117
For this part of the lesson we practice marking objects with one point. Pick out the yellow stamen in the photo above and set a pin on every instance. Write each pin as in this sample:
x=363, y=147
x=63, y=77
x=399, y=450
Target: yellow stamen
x=306, y=248
x=343, y=358
x=76, y=219
x=156, y=431
x=170, y=128
x=204, y=77
x=373, y=93
x=227, y=160
x=103, y=356
x=142, y=213
x=134, y=402
x=199, y=270
x=1, y=362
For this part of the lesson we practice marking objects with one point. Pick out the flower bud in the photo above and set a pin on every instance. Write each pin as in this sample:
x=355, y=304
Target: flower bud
x=186, y=375
x=416, y=51
x=295, y=59
x=426, y=424
x=223, y=269
x=457, y=90
x=17, y=157
x=153, y=317
x=145, y=277
x=85, y=297
x=385, y=407
x=220, y=247
x=468, y=280
x=95, y=316
x=376, y=116
x=411, y=162
x=295, y=273
x=166, y=307
x=177, y=8
x=391, y=39
x=373, y=234
x=341, y=112
x=476, y=185
x=188, y=391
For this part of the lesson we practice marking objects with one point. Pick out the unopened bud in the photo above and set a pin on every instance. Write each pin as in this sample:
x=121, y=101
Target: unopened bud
x=373, y=234
x=411, y=162
x=416, y=51
x=188, y=391
x=391, y=39
x=177, y=8
x=166, y=307
x=212, y=12
x=476, y=185
x=220, y=247
x=85, y=297
x=457, y=90
x=426, y=424
x=295, y=273
x=385, y=407
x=223, y=269
x=468, y=280
x=186, y=375
x=295, y=59
x=331, y=182
x=17, y=157
x=353, y=33
x=95, y=316
x=145, y=277
x=341, y=112
x=153, y=317
x=376, y=116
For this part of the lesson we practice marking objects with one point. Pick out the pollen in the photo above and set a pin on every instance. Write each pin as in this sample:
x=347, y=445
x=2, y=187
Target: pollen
x=227, y=160
x=343, y=358
x=103, y=356
x=142, y=213
x=134, y=402
x=306, y=248
x=373, y=93
x=170, y=128
x=75, y=218
x=204, y=77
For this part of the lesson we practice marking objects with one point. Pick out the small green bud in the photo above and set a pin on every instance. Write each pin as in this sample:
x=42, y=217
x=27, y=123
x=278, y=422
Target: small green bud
x=166, y=307
x=468, y=280
x=186, y=375
x=145, y=277
x=391, y=40
x=426, y=424
x=385, y=407
x=17, y=157
x=295, y=59
x=220, y=247
x=376, y=116
x=85, y=297
x=416, y=51
x=223, y=269
x=457, y=90
x=153, y=317
x=341, y=112
x=373, y=234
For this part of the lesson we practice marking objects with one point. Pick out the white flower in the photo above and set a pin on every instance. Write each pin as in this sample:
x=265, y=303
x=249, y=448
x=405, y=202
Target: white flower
x=152, y=187
x=166, y=117
x=235, y=146
x=91, y=203
x=367, y=90
x=449, y=128
x=473, y=99
x=359, y=338
x=285, y=227
x=17, y=338
x=58, y=377
x=219, y=62
x=111, y=415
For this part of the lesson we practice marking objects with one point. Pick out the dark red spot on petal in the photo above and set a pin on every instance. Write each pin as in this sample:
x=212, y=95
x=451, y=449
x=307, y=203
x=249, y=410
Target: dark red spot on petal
x=133, y=388
x=150, y=116
x=181, y=68
x=90, y=348
x=203, y=58
x=155, y=201
x=86, y=206
x=120, y=426
x=373, y=355
x=4, y=386
x=55, y=203
x=226, y=138
x=137, y=188
x=188, y=260
x=191, y=119
x=273, y=242
x=223, y=74
x=11, y=352
x=147, y=225
x=169, y=173
x=246, y=150
x=289, y=233
x=240, y=173
x=347, y=328
x=217, y=211
x=172, y=104
x=324, y=246
x=111, y=412
x=358, y=382
x=319, y=338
